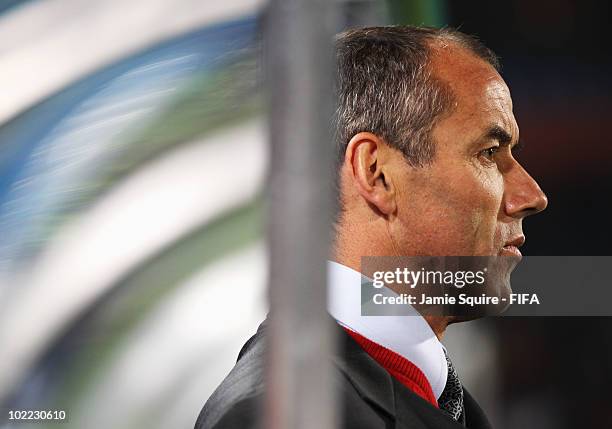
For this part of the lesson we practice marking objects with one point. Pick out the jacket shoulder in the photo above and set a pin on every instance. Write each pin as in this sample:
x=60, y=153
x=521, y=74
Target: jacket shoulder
x=240, y=393
x=238, y=401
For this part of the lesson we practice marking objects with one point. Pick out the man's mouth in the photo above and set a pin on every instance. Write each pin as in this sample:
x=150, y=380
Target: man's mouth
x=511, y=248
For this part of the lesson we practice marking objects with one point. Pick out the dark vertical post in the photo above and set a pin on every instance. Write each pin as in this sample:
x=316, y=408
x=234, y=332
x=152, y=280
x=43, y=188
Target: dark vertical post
x=300, y=70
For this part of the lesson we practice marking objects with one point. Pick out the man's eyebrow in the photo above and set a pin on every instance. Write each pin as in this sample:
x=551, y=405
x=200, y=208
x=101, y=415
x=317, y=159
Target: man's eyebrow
x=498, y=133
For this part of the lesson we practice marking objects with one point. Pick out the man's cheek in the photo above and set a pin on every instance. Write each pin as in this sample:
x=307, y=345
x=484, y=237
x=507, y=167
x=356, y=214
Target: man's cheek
x=484, y=219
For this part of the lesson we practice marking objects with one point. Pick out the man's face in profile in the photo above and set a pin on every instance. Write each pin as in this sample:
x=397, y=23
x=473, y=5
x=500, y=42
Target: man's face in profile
x=472, y=198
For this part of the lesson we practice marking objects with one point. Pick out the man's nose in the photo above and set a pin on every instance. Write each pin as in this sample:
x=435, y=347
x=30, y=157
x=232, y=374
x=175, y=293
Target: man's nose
x=523, y=196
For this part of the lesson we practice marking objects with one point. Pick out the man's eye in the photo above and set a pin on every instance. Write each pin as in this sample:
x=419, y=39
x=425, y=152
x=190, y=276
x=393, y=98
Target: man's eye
x=489, y=152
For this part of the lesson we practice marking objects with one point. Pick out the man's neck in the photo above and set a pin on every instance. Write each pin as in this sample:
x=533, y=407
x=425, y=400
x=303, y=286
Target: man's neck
x=438, y=324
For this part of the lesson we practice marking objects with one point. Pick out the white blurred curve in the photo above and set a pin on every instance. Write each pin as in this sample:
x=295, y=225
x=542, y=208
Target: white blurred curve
x=46, y=45
x=196, y=331
x=149, y=210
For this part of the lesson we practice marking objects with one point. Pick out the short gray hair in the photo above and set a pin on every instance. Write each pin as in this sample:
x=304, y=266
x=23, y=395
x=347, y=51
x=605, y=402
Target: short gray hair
x=385, y=86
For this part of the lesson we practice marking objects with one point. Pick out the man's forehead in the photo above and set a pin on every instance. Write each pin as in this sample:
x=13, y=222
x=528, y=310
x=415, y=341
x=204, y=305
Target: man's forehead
x=461, y=69
x=477, y=88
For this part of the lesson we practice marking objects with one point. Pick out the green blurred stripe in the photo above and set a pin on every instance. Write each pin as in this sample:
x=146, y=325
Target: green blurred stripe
x=145, y=288
x=209, y=102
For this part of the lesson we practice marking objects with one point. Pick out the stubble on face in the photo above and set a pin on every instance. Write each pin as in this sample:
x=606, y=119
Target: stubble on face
x=454, y=206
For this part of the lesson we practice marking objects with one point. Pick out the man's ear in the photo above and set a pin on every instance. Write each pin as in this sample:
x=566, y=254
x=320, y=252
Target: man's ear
x=367, y=158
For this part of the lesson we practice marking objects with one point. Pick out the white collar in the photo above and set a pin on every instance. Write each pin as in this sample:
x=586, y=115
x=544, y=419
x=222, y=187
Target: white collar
x=408, y=336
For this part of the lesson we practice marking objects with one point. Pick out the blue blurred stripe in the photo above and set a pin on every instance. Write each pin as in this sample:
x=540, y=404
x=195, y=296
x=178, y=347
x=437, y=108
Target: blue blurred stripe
x=23, y=135
x=38, y=130
x=7, y=5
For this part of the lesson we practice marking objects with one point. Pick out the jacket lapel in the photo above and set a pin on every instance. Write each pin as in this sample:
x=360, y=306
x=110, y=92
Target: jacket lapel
x=377, y=386
x=374, y=384
x=474, y=416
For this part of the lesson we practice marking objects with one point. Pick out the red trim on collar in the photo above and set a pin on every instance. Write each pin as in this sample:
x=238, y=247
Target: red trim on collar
x=398, y=366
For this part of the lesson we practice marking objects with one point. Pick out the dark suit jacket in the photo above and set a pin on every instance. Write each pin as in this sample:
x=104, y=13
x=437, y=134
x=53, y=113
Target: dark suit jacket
x=370, y=396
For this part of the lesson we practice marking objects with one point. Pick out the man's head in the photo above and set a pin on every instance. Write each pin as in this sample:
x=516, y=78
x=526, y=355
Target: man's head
x=425, y=134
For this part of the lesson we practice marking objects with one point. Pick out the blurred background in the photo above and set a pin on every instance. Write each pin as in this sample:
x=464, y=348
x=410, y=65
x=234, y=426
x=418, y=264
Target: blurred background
x=133, y=157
